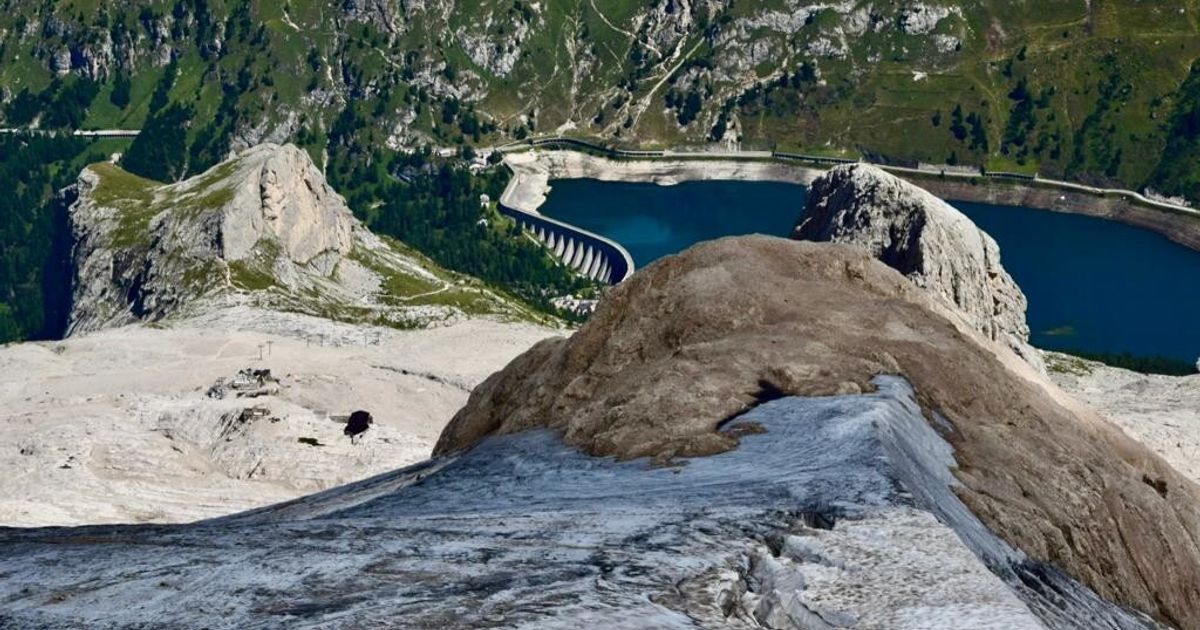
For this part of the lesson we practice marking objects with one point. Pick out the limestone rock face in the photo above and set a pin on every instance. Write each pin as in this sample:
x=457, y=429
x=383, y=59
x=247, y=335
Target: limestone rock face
x=262, y=228
x=927, y=240
x=281, y=194
x=696, y=339
x=143, y=250
x=380, y=13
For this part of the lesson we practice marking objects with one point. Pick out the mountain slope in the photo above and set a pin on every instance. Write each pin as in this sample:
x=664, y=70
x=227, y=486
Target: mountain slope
x=858, y=508
x=262, y=228
x=732, y=323
x=1088, y=89
x=117, y=425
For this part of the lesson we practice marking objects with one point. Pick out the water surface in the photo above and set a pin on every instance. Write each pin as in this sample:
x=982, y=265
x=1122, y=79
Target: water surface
x=653, y=221
x=1093, y=285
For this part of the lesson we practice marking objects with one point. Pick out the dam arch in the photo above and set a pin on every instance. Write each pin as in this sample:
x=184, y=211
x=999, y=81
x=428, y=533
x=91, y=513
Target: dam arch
x=588, y=254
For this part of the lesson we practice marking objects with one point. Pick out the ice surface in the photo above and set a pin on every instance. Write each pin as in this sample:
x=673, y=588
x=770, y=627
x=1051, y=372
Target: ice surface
x=839, y=515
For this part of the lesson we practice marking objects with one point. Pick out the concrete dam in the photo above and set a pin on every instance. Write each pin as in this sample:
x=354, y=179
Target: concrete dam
x=589, y=254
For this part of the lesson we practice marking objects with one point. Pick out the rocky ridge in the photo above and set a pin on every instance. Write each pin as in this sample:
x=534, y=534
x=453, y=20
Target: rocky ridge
x=934, y=245
x=262, y=228
x=732, y=323
x=871, y=462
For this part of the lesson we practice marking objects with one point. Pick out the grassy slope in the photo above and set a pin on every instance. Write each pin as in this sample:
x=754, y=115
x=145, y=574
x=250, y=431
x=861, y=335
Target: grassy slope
x=1113, y=66
x=139, y=200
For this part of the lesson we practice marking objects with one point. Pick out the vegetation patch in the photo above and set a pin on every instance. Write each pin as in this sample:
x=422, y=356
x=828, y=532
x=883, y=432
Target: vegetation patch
x=1143, y=364
x=119, y=188
x=402, y=285
x=1067, y=364
x=249, y=277
x=200, y=277
x=132, y=197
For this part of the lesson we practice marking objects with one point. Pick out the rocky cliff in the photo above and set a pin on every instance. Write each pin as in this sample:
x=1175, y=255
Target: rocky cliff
x=263, y=228
x=798, y=73
x=933, y=244
x=279, y=195
x=864, y=459
x=694, y=340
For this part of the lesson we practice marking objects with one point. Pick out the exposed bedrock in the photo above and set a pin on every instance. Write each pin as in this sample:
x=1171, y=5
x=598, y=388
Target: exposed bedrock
x=927, y=240
x=698, y=338
x=262, y=228
x=833, y=512
x=143, y=250
x=281, y=193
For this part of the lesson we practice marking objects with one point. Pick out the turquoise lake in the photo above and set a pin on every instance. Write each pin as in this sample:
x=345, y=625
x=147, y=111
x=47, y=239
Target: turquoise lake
x=1093, y=285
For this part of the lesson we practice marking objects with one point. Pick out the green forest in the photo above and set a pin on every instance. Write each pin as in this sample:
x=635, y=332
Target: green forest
x=35, y=274
x=1104, y=93
x=434, y=205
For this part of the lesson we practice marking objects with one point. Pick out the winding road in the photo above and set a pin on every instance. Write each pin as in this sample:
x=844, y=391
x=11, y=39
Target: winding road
x=583, y=145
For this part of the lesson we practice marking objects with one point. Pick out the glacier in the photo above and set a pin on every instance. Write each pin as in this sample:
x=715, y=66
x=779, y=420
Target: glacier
x=833, y=512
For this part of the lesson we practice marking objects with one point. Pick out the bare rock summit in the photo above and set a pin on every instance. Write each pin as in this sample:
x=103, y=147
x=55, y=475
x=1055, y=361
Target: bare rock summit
x=262, y=228
x=926, y=239
x=694, y=340
x=280, y=195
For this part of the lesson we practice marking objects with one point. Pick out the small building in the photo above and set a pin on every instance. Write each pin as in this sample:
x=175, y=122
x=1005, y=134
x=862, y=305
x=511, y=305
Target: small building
x=485, y=200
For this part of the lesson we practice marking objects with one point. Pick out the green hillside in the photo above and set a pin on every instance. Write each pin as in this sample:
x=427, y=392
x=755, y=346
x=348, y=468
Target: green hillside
x=1098, y=91
x=1085, y=90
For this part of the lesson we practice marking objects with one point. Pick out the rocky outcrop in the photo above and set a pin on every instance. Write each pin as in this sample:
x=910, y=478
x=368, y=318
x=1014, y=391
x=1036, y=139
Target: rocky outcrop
x=838, y=511
x=934, y=245
x=378, y=13
x=263, y=227
x=693, y=340
x=144, y=250
x=278, y=194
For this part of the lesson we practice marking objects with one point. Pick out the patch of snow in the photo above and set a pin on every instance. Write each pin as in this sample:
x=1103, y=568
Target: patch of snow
x=841, y=514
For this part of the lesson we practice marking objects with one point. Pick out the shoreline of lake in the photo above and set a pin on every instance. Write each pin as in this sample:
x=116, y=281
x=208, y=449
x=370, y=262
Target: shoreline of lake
x=1094, y=286
x=1179, y=228
x=533, y=171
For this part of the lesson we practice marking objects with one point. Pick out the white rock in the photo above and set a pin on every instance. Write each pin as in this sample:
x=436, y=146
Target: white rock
x=1162, y=412
x=261, y=228
x=921, y=19
x=279, y=192
x=926, y=239
x=115, y=425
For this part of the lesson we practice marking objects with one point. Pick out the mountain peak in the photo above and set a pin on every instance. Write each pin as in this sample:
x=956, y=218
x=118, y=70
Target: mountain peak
x=934, y=245
x=278, y=193
x=264, y=228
